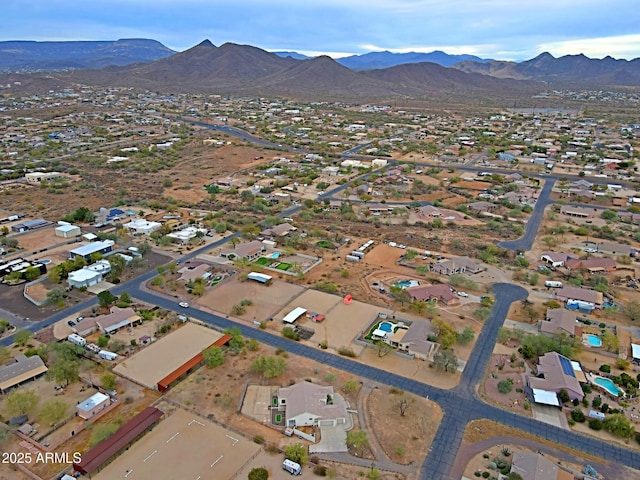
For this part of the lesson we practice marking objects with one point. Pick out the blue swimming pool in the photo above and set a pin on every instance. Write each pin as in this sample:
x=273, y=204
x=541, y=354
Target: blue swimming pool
x=608, y=385
x=45, y=261
x=407, y=283
x=386, y=326
x=594, y=340
x=274, y=255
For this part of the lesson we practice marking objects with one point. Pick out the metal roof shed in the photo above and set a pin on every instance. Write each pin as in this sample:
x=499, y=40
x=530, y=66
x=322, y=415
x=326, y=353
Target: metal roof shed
x=259, y=277
x=294, y=315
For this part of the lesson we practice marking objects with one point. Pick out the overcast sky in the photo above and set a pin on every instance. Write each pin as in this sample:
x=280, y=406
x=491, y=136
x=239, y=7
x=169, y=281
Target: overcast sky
x=500, y=29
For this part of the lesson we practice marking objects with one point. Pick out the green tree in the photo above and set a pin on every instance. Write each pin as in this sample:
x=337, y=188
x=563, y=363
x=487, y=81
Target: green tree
x=351, y=386
x=258, y=473
x=106, y=299
x=21, y=402
x=482, y=313
x=118, y=264
x=125, y=298
x=32, y=273
x=465, y=336
x=53, y=411
x=563, y=395
x=505, y=386
x=297, y=453
x=269, y=367
x=64, y=370
x=446, y=360
x=101, y=432
x=56, y=296
x=22, y=337
x=213, y=356
x=237, y=341
x=108, y=381
x=358, y=440
x=618, y=425
x=447, y=334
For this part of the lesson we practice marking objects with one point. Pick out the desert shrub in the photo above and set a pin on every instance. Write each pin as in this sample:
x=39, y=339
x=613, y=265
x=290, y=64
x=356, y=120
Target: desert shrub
x=259, y=439
x=595, y=424
x=605, y=368
x=505, y=386
x=347, y=352
x=290, y=333
x=578, y=415
x=320, y=470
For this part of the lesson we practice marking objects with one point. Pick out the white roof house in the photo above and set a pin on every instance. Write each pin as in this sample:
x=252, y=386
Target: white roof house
x=186, y=234
x=140, y=226
x=294, y=315
x=94, y=247
x=89, y=275
x=635, y=351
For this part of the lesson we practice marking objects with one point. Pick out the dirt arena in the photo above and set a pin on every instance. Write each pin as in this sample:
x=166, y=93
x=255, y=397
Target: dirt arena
x=266, y=299
x=183, y=446
x=162, y=357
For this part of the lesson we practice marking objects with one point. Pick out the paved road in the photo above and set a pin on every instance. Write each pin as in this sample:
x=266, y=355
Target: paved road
x=460, y=405
x=525, y=242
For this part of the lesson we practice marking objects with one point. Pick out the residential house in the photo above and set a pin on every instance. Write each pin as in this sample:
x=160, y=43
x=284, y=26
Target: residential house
x=21, y=370
x=251, y=251
x=140, y=226
x=93, y=405
x=482, y=207
x=535, y=466
x=578, y=212
x=309, y=404
x=587, y=295
x=456, y=265
x=440, y=292
x=615, y=248
x=85, y=251
x=556, y=372
x=560, y=320
x=187, y=234
x=89, y=275
x=281, y=230
x=193, y=270
x=414, y=340
x=592, y=265
x=38, y=177
x=556, y=259
x=116, y=319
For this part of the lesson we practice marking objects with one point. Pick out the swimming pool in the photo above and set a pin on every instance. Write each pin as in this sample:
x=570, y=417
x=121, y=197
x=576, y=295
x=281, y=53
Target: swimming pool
x=407, y=283
x=274, y=255
x=45, y=261
x=608, y=385
x=594, y=340
x=386, y=326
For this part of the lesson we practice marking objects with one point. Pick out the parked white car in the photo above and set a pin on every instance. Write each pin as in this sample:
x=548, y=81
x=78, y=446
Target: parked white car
x=463, y=294
x=184, y=304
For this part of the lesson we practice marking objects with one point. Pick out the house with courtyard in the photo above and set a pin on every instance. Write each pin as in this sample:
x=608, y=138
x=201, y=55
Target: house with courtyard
x=308, y=404
x=440, y=292
x=560, y=320
x=140, y=226
x=556, y=372
x=116, y=319
x=456, y=265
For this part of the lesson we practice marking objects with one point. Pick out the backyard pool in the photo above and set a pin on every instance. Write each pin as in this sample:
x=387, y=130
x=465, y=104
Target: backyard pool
x=608, y=385
x=45, y=261
x=594, y=340
x=274, y=255
x=407, y=283
x=386, y=326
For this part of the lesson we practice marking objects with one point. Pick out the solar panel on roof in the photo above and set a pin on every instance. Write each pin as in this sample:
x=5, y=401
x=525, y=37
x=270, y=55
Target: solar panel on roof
x=567, y=368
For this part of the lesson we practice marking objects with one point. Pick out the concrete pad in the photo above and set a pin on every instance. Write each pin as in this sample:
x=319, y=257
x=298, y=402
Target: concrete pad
x=548, y=414
x=332, y=439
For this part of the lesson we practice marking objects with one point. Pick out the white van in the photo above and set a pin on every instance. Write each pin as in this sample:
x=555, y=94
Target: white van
x=292, y=467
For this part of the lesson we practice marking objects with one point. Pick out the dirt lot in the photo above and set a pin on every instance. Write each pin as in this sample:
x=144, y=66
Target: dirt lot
x=185, y=443
x=266, y=299
x=159, y=359
x=500, y=368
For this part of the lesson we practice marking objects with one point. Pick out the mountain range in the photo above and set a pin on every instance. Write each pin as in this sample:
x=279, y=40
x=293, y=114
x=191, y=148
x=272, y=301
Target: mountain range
x=16, y=56
x=233, y=69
